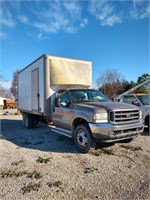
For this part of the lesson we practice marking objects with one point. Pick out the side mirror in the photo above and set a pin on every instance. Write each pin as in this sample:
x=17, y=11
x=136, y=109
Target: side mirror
x=64, y=103
x=136, y=103
x=59, y=103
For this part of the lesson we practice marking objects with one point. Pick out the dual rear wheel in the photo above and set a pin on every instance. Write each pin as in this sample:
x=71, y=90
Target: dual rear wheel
x=30, y=121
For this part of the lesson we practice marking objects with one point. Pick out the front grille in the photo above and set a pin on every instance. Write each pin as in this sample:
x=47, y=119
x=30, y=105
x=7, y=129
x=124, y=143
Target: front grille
x=124, y=116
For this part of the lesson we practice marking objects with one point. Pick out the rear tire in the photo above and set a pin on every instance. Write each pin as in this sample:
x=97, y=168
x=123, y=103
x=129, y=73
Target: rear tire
x=35, y=121
x=83, y=139
x=28, y=121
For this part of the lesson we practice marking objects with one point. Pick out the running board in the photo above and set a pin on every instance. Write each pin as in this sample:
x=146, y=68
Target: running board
x=61, y=131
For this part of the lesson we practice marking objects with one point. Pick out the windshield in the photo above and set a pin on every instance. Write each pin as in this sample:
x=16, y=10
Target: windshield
x=82, y=95
x=144, y=99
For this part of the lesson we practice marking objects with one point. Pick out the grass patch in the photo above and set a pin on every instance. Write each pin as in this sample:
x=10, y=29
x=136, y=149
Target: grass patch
x=89, y=169
x=12, y=173
x=31, y=187
x=16, y=163
x=99, y=152
x=35, y=174
x=96, y=152
x=107, y=151
x=137, y=148
x=19, y=147
x=57, y=183
x=43, y=160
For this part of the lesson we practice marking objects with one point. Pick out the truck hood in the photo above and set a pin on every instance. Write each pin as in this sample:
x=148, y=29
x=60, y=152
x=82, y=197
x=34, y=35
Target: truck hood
x=145, y=108
x=103, y=106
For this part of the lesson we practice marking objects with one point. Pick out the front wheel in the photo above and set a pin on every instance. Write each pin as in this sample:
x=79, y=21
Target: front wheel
x=83, y=139
x=147, y=121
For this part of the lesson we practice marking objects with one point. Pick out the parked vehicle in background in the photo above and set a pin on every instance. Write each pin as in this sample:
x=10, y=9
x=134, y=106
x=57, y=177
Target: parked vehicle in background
x=58, y=91
x=2, y=101
x=142, y=101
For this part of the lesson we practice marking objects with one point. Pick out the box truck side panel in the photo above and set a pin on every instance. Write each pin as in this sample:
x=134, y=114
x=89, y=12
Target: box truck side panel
x=31, y=87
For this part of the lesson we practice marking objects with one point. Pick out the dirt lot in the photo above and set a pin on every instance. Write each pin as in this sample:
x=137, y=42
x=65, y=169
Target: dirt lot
x=38, y=164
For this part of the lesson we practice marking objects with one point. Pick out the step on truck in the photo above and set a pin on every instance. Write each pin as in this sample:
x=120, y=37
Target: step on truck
x=59, y=91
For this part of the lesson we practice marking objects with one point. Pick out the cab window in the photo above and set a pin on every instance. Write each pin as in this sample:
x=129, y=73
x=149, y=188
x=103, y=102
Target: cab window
x=62, y=99
x=129, y=99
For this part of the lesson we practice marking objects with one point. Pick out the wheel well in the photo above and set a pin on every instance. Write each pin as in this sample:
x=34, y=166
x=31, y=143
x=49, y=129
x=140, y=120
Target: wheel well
x=79, y=121
x=147, y=120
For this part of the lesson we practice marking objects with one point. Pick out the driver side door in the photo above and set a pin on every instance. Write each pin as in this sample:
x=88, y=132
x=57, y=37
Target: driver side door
x=63, y=114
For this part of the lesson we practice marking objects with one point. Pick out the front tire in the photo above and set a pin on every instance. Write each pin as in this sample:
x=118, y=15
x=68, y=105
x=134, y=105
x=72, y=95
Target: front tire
x=83, y=139
x=147, y=121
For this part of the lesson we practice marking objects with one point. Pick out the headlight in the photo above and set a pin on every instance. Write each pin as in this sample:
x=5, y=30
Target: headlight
x=140, y=114
x=100, y=118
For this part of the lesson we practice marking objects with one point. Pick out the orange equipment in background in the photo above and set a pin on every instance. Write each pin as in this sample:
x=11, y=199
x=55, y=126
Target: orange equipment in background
x=9, y=104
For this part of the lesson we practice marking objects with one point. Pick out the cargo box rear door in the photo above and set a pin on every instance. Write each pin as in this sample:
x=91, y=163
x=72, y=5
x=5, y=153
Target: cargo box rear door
x=35, y=90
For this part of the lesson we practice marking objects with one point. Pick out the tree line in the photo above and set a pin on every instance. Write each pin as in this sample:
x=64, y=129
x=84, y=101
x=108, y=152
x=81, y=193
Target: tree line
x=12, y=92
x=110, y=82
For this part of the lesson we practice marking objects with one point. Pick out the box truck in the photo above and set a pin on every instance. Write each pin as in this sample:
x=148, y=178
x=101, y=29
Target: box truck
x=58, y=91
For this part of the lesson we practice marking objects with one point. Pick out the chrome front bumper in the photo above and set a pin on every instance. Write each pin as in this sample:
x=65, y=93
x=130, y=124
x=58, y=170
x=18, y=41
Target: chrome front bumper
x=111, y=133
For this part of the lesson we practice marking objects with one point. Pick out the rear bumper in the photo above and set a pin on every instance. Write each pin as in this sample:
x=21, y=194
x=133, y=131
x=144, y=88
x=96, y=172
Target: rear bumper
x=111, y=133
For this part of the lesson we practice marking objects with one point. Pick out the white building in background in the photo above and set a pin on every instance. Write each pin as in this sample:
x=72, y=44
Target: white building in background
x=1, y=100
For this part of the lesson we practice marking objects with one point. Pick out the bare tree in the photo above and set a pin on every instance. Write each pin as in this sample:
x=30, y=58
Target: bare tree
x=4, y=92
x=1, y=80
x=110, y=82
x=14, y=84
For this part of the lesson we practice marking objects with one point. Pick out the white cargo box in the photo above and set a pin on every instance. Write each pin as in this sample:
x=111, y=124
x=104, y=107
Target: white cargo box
x=42, y=78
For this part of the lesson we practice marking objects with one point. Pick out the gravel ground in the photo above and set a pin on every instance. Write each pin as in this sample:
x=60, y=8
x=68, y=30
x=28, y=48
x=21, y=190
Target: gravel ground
x=38, y=164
